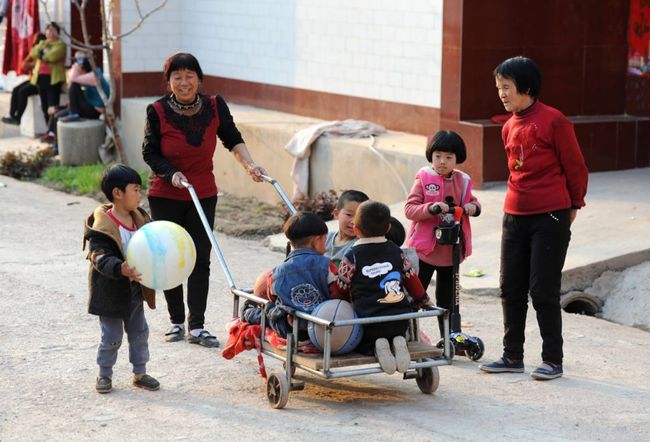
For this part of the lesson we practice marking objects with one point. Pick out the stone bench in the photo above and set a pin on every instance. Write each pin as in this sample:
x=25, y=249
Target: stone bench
x=79, y=141
x=32, y=123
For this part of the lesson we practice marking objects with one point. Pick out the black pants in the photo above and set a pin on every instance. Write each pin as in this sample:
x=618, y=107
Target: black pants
x=49, y=93
x=444, y=286
x=19, y=96
x=372, y=332
x=184, y=214
x=533, y=249
x=77, y=105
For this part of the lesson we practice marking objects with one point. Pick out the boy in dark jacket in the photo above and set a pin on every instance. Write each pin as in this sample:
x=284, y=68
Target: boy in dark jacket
x=115, y=294
x=374, y=275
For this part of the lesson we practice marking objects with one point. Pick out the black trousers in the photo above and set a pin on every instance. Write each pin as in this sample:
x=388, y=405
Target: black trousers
x=19, y=96
x=49, y=93
x=444, y=286
x=184, y=214
x=77, y=105
x=372, y=332
x=533, y=250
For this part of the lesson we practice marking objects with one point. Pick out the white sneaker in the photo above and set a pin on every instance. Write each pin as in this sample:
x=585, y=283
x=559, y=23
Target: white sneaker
x=384, y=356
x=402, y=355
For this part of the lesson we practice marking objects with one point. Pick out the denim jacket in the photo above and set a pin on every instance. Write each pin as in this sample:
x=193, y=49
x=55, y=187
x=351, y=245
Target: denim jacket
x=301, y=282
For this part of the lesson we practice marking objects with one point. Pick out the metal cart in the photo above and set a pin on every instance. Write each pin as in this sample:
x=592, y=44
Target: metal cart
x=425, y=359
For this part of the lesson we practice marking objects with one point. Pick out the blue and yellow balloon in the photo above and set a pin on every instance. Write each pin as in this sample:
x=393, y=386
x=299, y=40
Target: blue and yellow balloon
x=164, y=253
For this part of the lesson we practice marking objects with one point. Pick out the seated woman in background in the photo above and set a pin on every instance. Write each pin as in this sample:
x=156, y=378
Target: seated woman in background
x=24, y=90
x=84, y=98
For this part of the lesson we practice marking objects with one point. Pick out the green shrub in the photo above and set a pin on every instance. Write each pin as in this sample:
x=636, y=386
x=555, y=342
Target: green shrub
x=84, y=180
x=23, y=165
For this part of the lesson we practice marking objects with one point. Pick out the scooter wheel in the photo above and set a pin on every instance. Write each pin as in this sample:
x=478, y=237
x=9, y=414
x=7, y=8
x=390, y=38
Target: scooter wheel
x=428, y=379
x=452, y=347
x=476, y=352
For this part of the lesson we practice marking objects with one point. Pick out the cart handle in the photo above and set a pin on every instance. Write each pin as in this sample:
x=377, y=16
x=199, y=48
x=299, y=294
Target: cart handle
x=278, y=189
x=208, y=231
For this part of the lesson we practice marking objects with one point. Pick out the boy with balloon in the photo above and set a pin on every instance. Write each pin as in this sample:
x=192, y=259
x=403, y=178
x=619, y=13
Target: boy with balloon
x=116, y=295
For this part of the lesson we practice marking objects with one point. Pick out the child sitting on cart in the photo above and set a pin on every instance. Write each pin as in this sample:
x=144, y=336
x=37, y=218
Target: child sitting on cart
x=375, y=273
x=302, y=281
x=339, y=242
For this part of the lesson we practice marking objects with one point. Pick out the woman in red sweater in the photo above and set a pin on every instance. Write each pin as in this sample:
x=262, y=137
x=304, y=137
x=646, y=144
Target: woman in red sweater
x=179, y=144
x=546, y=187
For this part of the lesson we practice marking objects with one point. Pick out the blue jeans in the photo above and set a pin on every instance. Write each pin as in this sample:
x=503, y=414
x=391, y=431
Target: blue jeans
x=137, y=332
x=533, y=249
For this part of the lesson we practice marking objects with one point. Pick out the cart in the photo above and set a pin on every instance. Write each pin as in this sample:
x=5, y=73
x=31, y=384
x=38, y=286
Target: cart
x=425, y=359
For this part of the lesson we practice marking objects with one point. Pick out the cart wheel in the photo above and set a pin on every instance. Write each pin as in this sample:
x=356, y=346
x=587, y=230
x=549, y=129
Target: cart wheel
x=452, y=347
x=277, y=390
x=293, y=369
x=476, y=352
x=428, y=379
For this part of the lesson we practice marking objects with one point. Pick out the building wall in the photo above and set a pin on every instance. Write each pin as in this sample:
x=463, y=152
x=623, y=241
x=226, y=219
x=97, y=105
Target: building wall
x=372, y=49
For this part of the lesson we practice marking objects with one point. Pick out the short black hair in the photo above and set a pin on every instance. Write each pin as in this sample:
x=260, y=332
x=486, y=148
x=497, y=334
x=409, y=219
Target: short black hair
x=38, y=37
x=351, y=195
x=524, y=72
x=397, y=234
x=182, y=60
x=54, y=25
x=120, y=176
x=301, y=226
x=372, y=218
x=447, y=141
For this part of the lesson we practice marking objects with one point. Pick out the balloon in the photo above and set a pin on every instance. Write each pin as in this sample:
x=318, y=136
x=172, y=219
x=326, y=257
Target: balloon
x=163, y=252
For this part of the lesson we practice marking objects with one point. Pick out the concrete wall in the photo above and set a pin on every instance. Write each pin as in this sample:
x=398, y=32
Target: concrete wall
x=385, y=171
x=375, y=49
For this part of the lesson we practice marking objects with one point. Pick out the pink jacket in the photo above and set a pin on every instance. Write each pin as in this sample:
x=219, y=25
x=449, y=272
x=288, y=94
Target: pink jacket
x=431, y=190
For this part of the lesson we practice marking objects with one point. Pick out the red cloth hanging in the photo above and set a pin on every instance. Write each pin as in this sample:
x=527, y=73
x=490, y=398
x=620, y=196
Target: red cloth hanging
x=22, y=23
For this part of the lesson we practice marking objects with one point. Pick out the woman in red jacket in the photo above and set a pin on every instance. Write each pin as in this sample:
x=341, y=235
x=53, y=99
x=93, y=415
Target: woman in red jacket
x=546, y=187
x=179, y=143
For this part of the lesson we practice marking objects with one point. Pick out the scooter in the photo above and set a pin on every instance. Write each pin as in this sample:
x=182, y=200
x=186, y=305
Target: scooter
x=449, y=233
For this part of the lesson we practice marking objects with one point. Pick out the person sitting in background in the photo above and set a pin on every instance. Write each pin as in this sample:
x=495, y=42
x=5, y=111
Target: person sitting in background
x=85, y=100
x=24, y=90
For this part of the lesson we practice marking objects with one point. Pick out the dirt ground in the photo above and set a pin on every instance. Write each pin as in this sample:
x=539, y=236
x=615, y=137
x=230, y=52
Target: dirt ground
x=48, y=344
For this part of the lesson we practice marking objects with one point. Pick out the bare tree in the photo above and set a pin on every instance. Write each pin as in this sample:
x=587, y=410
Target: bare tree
x=107, y=45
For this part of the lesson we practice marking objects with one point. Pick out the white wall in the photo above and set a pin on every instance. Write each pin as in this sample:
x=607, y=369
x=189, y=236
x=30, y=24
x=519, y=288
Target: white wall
x=379, y=49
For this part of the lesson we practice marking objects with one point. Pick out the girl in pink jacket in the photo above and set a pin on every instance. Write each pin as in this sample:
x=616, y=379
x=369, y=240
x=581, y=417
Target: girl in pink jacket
x=434, y=189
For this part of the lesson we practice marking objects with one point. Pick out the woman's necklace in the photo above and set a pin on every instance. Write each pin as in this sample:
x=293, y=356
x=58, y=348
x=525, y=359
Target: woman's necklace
x=182, y=106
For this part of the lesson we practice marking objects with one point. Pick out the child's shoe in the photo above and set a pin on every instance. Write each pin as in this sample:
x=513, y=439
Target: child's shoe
x=145, y=381
x=103, y=385
x=504, y=365
x=402, y=355
x=384, y=356
x=547, y=371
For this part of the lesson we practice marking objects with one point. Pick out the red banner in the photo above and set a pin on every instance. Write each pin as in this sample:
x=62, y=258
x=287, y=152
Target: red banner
x=22, y=24
x=639, y=38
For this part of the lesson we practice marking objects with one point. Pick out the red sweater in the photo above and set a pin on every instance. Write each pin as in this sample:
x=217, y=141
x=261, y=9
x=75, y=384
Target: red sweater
x=547, y=169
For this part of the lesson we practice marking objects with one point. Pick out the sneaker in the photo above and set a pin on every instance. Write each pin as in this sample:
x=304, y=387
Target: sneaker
x=504, y=365
x=11, y=120
x=48, y=138
x=175, y=333
x=103, y=385
x=145, y=381
x=402, y=355
x=547, y=371
x=70, y=117
x=205, y=338
x=384, y=356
